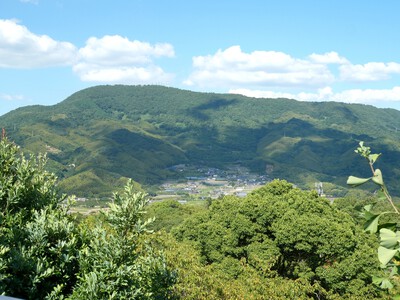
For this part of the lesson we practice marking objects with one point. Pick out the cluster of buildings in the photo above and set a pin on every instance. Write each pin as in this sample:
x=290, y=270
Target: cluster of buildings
x=207, y=182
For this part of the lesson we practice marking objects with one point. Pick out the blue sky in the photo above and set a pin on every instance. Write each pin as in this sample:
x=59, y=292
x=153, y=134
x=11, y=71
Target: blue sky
x=308, y=50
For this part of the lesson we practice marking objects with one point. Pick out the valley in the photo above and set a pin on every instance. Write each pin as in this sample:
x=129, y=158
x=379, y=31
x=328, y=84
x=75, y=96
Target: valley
x=100, y=136
x=196, y=183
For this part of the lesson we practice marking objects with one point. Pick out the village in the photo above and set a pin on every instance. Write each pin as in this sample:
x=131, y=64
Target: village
x=192, y=183
x=200, y=183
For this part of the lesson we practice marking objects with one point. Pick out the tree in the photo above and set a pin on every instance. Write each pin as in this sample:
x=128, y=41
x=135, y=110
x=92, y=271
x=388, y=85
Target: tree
x=116, y=261
x=282, y=232
x=171, y=213
x=45, y=254
x=39, y=241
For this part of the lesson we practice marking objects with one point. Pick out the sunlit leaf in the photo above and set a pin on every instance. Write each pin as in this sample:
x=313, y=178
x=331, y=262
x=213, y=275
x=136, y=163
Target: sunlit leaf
x=377, y=178
x=385, y=255
x=389, y=238
x=373, y=157
x=386, y=284
x=368, y=207
x=372, y=223
x=382, y=282
x=395, y=271
x=377, y=280
x=355, y=181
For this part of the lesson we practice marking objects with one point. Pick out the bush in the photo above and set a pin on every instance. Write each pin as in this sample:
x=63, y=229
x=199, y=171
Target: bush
x=45, y=254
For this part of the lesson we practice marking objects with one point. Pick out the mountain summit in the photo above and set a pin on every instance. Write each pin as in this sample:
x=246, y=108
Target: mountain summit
x=97, y=137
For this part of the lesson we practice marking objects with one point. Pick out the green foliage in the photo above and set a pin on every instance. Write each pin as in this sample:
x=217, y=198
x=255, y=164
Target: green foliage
x=38, y=239
x=25, y=185
x=170, y=213
x=116, y=261
x=353, y=203
x=283, y=233
x=45, y=254
x=222, y=281
x=103, y=133
x=389, y=249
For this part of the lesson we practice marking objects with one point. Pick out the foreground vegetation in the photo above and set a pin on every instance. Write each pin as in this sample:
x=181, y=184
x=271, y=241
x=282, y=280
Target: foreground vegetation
x=46, y=254
x=279, y=242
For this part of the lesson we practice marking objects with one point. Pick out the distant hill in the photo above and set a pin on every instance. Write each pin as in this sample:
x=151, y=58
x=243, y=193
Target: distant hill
x=99, y=136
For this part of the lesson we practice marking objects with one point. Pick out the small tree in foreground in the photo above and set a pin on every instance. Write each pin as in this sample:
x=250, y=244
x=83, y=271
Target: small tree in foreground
x=39, y=241
x=389, y=235
x=45, y=254
x=116, y=261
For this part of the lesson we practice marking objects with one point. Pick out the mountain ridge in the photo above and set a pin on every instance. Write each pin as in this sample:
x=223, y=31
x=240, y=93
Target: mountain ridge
x=113, y=132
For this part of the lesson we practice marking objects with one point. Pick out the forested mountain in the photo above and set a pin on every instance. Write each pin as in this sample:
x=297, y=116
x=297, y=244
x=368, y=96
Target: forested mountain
x=98, y=136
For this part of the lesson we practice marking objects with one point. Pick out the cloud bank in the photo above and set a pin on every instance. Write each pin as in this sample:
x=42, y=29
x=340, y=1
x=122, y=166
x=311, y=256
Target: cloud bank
x=110, y=59
x=233, y=67
x=371, y=96
x=261, y=73
x=19, y=48
x=117, y=59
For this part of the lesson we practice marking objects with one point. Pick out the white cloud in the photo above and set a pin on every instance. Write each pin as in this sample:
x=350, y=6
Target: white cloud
x=108, y=59
x=121, y=74
x=117, y=50
x=257, y=71
x=372, y=71
x=20, y=48
x=234, y=68
x=368, y=95
x=371, y=96
x=322, y=94
x=117, y=59
x=328, y=58
x=8, y=97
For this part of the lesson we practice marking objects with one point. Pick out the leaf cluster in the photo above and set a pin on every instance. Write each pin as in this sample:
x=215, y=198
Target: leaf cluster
x=389, y=235
x=285, y=233
x=45, y=254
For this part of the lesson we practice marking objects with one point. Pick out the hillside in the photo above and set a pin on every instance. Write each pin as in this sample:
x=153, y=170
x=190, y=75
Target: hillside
x=98, y=136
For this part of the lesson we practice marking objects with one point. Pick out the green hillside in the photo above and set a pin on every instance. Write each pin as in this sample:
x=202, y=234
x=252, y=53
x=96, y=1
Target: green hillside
x=98, y=136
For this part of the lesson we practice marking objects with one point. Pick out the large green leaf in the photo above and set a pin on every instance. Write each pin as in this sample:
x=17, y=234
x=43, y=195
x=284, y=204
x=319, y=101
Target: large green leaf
x=389, y=238
x=377, y=280
x=355, y=181
x=372, y=220
x=382, y=282
x=386, y=284
x=385, y=255
x=372, y=223
x=377, y=178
